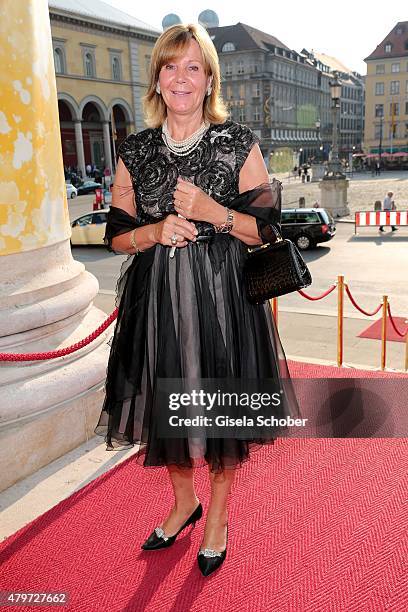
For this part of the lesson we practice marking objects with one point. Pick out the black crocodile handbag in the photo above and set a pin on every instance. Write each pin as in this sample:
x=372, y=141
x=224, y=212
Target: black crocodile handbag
x=274, y=269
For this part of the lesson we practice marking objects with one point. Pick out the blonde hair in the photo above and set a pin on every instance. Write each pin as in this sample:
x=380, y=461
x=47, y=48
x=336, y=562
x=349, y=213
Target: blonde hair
x=171, y=44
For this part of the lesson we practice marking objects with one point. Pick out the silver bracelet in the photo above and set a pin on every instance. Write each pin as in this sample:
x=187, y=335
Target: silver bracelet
x=226, y=227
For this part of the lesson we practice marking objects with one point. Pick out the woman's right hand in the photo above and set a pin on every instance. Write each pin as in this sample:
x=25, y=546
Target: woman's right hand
x=174, y=225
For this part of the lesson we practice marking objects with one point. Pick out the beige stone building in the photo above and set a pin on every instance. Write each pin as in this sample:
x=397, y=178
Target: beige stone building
x=386, y=110
x=101, y=58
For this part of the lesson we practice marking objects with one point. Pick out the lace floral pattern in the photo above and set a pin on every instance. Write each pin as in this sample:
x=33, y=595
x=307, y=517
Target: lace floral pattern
x=213, y=166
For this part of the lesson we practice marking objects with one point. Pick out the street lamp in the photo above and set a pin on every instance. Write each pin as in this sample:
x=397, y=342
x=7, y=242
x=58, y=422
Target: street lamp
x=334, y=166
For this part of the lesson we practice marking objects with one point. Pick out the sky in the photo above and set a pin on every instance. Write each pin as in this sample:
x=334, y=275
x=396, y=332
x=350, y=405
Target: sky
x=348, y=29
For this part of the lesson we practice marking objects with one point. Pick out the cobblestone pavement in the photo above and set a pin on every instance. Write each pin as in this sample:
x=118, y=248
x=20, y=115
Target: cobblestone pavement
x=363, y=191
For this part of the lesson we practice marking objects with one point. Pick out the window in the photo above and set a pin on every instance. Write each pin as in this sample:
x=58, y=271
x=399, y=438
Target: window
x=242, y=92
x=379, y=110
x=378, y=131
x=406, y=130
x=85, y=220
x=394, y=109
x=388, y=48
x=288, y=216
x=89, y=64
x=394, y=87
x=99, y=218
x=116, y=68
x=240, y=67
x=228, y=46
x=257, y=114
x=59, y=60
x=147, y=63
x=380, y=69
x=229, y=92
x=242, y=116
x=308, y=217
x=379, y=89
x=228, y=69
x=393, y=130
x=395, y=67
x=256, y=90
x=406, y=87
x=406, y=108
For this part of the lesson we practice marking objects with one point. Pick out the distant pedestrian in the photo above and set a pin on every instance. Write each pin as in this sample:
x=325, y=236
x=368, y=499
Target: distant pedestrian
x=88, y=170
x=388, y=204
x=299, y=171
x=377, y=169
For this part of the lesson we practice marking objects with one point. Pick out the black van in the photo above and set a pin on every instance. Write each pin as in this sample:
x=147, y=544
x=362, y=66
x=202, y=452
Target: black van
x=307, y=226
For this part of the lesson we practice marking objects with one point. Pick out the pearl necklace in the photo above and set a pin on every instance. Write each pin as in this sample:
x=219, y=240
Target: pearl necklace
x=186, y=146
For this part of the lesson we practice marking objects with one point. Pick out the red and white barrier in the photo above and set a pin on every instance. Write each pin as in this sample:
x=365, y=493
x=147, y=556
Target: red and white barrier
x=366, y=218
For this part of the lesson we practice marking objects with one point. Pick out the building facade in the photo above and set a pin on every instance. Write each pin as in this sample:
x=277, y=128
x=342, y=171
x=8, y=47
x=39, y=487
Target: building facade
x=352, y=101
x=101, y=58
x=386, y=114
x=284, y=96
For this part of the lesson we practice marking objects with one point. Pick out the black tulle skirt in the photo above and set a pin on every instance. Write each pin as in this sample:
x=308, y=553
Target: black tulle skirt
x=186, y=317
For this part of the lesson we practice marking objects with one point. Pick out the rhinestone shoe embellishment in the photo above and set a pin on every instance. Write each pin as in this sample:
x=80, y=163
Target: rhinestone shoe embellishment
x=160, y=533
x=209, y=552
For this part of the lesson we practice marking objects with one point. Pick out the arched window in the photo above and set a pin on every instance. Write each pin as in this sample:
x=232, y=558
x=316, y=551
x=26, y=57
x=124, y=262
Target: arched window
x=59, y=60
x=116, y=69
x=228, y=46
x=89, y=65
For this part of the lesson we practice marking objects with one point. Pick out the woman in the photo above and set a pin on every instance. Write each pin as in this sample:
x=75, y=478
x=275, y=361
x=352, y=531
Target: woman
x=182, y=309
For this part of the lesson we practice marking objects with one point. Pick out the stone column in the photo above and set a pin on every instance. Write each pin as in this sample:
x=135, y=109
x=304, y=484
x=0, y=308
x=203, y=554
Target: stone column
x=46, y=407
x=80, y=147
x=107, y=145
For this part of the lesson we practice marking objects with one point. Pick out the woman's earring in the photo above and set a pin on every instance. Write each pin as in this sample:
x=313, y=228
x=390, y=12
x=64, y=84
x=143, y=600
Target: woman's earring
x=158, y=90
x=209, y=90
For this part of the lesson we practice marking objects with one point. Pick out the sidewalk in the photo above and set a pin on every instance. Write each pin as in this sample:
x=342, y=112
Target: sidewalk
x=305, y=337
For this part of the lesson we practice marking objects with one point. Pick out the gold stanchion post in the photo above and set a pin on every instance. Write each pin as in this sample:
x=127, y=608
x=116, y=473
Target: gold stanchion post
x=340, y=308
x=384, y=331
x=275, y=309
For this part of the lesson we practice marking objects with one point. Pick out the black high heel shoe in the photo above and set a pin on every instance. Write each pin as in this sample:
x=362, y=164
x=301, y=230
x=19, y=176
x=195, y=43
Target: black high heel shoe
x=209, y=560
x=158, y=539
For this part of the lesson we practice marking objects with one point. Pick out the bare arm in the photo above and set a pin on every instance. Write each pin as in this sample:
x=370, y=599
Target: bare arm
x=252, y=174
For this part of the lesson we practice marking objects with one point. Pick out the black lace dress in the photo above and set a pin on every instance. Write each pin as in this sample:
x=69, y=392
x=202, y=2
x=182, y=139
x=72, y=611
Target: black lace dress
x=186, y=316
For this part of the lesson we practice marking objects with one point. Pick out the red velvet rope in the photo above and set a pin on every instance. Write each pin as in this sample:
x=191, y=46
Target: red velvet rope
x=78, y=345
x=393, y=324
x=369, y=314
x=318, y=297
x=64, y=351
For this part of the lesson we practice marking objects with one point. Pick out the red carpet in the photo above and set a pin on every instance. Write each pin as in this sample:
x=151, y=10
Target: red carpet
x=373, y=331
x=315, y=525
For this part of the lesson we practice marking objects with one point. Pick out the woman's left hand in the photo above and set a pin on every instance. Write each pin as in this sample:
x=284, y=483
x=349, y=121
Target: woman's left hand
x=193, y=203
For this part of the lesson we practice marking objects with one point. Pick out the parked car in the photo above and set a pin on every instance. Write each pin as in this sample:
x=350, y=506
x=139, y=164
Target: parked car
x=89, y=228
x=307, y=226
x=71, y=191
x=88, y=187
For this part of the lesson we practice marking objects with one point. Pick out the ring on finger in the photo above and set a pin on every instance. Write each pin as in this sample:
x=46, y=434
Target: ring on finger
x=173, y=239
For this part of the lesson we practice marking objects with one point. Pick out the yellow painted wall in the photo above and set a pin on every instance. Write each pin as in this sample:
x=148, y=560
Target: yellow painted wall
x=33, y=205
x=81, y=87
x=372, y=99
